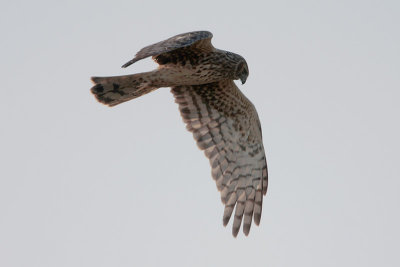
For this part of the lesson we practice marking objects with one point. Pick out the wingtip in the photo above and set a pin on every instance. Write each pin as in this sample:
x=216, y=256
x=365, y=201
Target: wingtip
x=257, y=219
x=247, y=226
x=225, y=221
x=246, y=232
x=130, y=62
x=235, y=232
x=126, y=65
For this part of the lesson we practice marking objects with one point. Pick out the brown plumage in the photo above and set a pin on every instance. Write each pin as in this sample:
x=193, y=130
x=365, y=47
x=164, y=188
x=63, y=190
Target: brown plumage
x=223, y=121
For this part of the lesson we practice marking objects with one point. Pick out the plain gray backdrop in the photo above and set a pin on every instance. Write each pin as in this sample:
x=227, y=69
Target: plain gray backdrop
x=86, y=185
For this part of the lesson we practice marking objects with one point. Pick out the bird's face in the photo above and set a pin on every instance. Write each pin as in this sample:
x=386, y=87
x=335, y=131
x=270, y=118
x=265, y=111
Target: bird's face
x=242, y=71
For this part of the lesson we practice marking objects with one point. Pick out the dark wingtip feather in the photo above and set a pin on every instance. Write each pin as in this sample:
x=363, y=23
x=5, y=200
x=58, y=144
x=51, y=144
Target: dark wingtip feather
x=130, y=62
x=235, y=231
x=225, y=220
x=246, y=230
x=257, y=218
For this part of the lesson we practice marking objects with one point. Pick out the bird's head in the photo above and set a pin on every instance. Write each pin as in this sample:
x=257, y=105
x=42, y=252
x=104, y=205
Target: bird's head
x=242, y=71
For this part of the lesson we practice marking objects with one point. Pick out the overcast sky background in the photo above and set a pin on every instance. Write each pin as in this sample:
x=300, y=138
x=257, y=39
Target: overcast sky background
x=82, y=184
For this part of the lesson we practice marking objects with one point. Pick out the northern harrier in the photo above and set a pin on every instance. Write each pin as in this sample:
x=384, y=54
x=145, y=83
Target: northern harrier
x=223, y=121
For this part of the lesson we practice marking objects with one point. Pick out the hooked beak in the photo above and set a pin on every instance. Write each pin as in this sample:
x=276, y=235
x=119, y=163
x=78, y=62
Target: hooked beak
x=243, y=80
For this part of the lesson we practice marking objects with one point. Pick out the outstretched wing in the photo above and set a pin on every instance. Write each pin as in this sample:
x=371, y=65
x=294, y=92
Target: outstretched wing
x=225, y=125
x=200, y=39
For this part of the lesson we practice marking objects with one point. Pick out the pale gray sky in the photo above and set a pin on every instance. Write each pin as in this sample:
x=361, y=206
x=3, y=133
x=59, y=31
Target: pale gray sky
x=86, y=185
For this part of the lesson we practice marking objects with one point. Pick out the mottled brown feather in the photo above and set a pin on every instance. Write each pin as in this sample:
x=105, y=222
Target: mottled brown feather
x=200, y=40
x=225, y=124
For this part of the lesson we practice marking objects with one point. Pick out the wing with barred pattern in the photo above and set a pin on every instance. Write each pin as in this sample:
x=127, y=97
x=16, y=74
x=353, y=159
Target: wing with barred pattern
x=225, y=125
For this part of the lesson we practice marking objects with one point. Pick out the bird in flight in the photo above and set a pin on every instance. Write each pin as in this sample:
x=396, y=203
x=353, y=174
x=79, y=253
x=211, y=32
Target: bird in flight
x=223, y=121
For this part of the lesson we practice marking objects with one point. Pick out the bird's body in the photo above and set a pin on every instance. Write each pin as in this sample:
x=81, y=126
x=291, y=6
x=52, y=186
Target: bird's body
x=223, y=121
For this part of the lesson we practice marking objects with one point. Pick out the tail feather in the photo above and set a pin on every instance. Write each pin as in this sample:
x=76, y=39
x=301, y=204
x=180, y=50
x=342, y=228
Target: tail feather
x=112, y=91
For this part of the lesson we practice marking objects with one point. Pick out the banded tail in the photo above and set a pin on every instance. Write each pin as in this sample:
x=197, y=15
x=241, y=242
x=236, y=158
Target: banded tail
x=112, y=91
